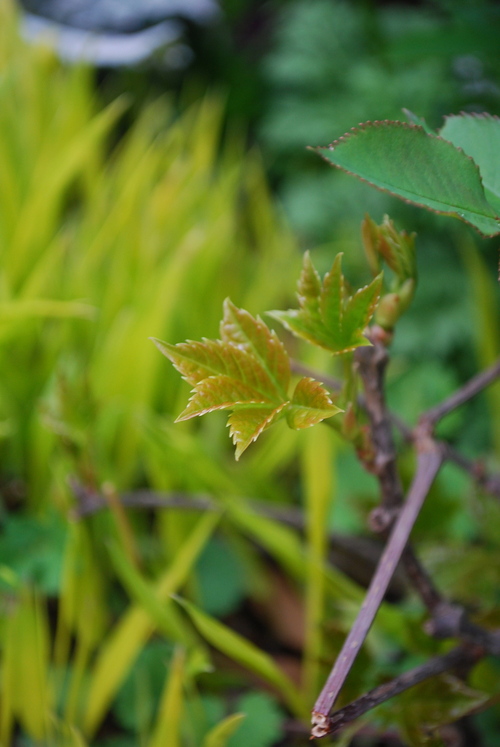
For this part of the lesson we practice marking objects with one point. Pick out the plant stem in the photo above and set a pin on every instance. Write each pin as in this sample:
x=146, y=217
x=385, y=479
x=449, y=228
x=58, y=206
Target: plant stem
x=469, y=390
x=429, y=463
x=371, y=363
x=462, y=656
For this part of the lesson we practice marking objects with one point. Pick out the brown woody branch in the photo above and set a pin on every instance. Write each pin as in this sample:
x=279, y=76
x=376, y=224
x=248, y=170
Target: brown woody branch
x=462, y=656
x=428, y=466
x=489, y=482
x=371, y=363
x=462, y=395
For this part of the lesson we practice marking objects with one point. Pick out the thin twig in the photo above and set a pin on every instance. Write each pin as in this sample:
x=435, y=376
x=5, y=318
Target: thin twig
x=428, y=465
x=451, y=621
x=371, y=363
x=355, y=556
x=421, y=581
x=489, y=482
x=469, y=390
x=462, y=656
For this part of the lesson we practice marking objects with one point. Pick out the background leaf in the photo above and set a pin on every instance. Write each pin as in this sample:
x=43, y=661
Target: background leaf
x=244, y=652
x=221, y=732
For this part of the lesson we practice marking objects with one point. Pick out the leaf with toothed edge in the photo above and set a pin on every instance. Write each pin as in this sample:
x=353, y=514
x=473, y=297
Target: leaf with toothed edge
x=424, y=169
x=246, y=425
x=328, y=317
x=310, y=404
x=252, y=335
x=248, y=373
x=478, y=135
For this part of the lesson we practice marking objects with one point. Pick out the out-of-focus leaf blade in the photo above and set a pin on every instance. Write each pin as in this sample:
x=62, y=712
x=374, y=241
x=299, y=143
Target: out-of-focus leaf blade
x=245, y=653
x=417, y=167
x=220, y=733
x=42, y=307
x=123, y=644
x=164, y=616
x=167, y=729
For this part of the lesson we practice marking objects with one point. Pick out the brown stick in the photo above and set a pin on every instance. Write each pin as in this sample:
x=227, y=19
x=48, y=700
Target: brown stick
x=371, y=363
x=462, y=656
x=489, y=482
x=428, y=466
x=469, y=390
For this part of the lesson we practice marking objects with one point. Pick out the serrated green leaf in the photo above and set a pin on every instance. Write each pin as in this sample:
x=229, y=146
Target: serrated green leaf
x=302, y=325
x=245, y=653
x=253, y=336
x=310, y=404
x=479, y=137
x=309, y=286
x=246, y=425
x=332, y=295
x=397, y=248
x=247, y=372
x=420, y=168
x=358, y=310
x=221, y=393
x=332, y=320
x=196, y=361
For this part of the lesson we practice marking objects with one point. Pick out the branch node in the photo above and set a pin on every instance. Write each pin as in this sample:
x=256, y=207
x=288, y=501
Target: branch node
x=320, y=725
x=381, y=519
x=446, y=621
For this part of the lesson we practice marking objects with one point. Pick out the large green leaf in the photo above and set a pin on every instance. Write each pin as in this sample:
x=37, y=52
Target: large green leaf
x=479, y=137
x=418, y=167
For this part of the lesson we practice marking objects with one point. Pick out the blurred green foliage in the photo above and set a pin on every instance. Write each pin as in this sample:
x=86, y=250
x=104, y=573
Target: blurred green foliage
x=126, y=220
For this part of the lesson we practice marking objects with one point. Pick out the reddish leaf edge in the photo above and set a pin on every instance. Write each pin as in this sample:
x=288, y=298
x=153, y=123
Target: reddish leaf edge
x=470, y=115
x=406, y=125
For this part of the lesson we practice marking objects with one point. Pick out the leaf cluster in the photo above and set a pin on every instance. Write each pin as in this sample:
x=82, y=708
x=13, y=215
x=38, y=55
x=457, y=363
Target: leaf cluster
x=247, y=371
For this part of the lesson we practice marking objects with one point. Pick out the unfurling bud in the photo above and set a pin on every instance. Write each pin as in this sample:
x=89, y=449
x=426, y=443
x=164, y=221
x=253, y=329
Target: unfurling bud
x=393, y=305
x=397, y=248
